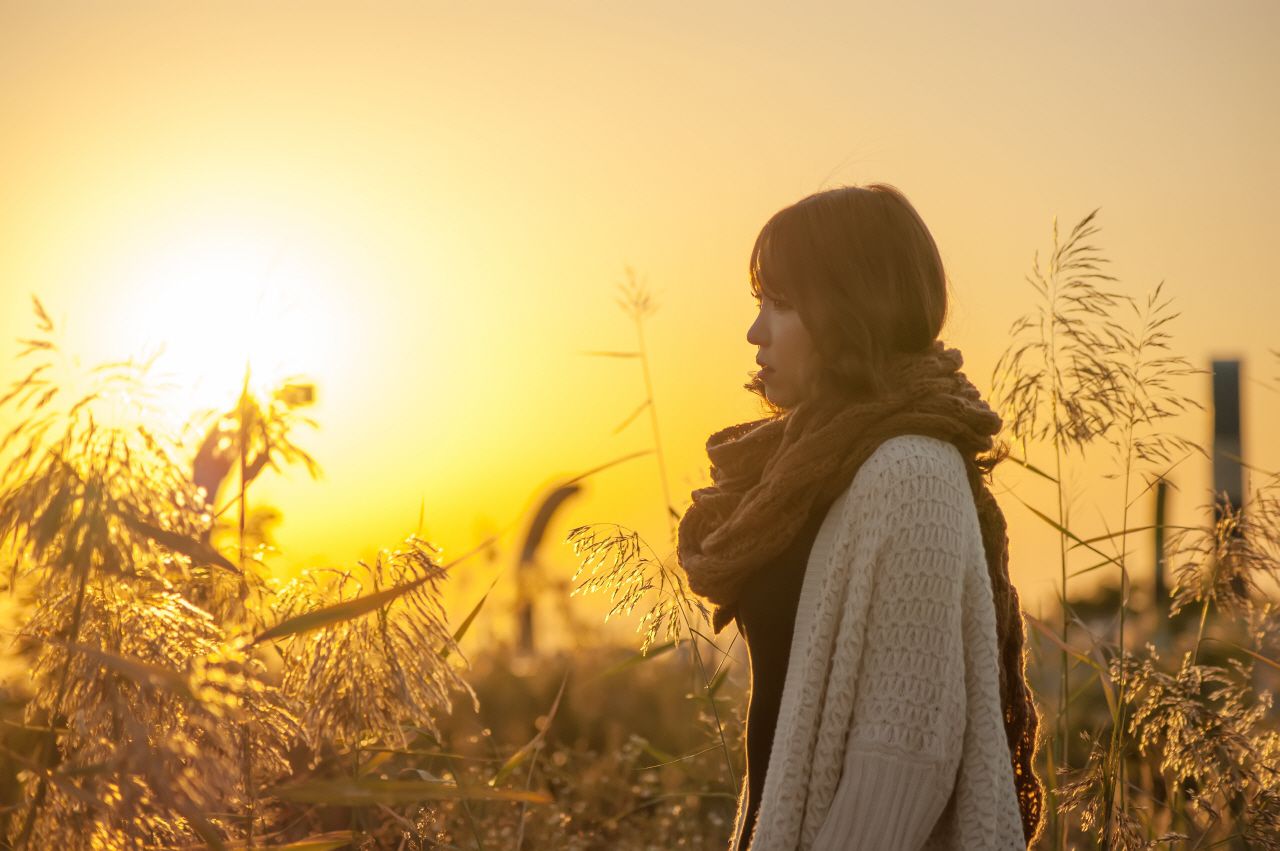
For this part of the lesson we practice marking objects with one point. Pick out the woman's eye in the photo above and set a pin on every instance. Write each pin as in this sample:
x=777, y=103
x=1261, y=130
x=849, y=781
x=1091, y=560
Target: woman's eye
x=774, y=302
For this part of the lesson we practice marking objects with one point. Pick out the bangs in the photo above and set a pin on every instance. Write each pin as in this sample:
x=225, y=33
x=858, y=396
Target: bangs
x=766, y=267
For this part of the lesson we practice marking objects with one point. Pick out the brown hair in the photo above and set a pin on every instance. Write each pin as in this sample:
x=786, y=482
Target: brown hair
x=863, y=272
x=865, y=275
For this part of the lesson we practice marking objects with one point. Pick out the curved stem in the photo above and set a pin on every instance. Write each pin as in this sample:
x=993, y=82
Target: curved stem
x=42, y=788
x=245, y=733
x=673, y=531
x=668, y=509
x=702, y=671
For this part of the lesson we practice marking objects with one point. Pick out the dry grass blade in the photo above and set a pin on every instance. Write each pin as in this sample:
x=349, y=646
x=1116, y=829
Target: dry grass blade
x=635, y=659
x=45, y=323
x=1093, y=659
x=467, y=621
x=632, y=416
x=319, y=842
x=672, y=759
x=198, y=551
x=1266, y=660
x=530, y=747
x=717, y=680
x=202, y=827
x=1106, y=562
x=1032, y=467
x=142, y=673
x=59, y=778
x=1045, y=630
x=31, y=379
x=1119, y=534
x=338, y=612
x=605, y=466
x=330, y=841
x=1065, y=531
x=367, y=792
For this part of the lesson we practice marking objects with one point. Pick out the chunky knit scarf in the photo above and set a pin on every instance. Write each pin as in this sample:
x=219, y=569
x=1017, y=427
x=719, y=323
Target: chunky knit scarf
x=768, y=474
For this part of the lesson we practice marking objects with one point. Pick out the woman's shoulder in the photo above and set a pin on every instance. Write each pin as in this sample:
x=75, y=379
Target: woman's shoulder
x=906, y=478
x=910, y=461
x=913, y=491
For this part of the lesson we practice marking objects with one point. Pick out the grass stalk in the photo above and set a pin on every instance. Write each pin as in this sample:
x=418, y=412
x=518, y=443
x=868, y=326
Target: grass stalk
x=638, y=306
x=42, y=788
x=466, y=806
x=668, y=509
x=715, y=713
x=1064, y=702
x=246, y=745
x=1117, y=723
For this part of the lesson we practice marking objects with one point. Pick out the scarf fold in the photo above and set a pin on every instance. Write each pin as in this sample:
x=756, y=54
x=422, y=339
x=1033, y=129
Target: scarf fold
x=768, y=474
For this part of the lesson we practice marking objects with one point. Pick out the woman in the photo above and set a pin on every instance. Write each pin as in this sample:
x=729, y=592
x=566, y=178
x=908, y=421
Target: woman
x=851, y=537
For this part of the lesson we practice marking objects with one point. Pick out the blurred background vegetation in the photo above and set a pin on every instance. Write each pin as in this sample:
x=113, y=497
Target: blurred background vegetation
x=166, y=689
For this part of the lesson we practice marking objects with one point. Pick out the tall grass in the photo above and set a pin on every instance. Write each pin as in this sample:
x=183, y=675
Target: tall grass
x=154, y=717
x=181, y=697
x=1180, y=752
x=634, y=571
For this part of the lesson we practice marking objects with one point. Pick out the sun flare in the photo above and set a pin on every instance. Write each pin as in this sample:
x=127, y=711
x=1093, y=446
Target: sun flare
x=217, y=299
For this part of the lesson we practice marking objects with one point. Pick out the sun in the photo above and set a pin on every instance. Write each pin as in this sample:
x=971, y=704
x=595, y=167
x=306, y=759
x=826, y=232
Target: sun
x=222, y=297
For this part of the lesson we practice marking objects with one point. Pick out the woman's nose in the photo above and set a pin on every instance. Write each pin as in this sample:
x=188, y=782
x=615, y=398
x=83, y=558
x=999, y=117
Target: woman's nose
x=756, y=333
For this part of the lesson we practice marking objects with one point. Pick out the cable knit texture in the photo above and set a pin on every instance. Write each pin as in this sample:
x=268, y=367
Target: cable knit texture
x=890, y=733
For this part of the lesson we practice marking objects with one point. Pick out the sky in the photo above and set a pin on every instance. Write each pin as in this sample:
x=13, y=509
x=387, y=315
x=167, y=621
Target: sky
x=428, y=208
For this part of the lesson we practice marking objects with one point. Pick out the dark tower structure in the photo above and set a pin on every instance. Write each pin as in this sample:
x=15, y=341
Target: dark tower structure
x=1228, y=453
x=1161, y=596
x=1228, y=446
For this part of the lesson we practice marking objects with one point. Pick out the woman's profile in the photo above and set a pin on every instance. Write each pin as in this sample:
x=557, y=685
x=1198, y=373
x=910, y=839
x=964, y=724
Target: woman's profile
x=851, y=536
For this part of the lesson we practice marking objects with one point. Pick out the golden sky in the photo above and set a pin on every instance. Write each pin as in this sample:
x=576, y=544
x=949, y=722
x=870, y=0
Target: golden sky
x=427, y=208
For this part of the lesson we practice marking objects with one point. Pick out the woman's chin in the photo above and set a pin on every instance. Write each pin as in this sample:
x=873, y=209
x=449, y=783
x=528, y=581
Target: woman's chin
x=779, y=399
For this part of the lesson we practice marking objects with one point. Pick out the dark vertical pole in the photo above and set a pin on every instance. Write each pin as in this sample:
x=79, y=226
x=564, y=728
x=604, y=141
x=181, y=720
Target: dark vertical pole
x=1228, y=454
x=1161, y=593
x=1228, y=447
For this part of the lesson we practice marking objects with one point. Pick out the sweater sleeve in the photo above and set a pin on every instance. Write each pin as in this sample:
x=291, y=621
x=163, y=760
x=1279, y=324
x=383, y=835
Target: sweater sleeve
x=907, y=730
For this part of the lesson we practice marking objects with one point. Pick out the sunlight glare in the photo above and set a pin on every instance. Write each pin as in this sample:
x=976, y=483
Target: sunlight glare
x=221, y=296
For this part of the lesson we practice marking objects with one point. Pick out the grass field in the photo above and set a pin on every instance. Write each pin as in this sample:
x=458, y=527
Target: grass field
x=179, y=696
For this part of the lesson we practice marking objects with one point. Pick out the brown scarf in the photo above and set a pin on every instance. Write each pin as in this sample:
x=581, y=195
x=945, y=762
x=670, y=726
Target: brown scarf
x=769, y=474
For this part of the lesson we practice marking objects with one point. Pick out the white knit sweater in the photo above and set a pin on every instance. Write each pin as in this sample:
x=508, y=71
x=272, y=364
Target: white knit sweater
x=890, y=733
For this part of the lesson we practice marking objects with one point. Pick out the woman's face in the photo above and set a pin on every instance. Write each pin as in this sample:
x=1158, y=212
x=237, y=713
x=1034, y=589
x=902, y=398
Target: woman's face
x=787, y=357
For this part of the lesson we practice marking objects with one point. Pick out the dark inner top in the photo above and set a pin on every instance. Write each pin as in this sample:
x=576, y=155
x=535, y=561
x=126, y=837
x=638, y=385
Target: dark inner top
x=766, y=617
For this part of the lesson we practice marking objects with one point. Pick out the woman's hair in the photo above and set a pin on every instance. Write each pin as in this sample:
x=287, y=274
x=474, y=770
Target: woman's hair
x=862, y=270
x=865, y=275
